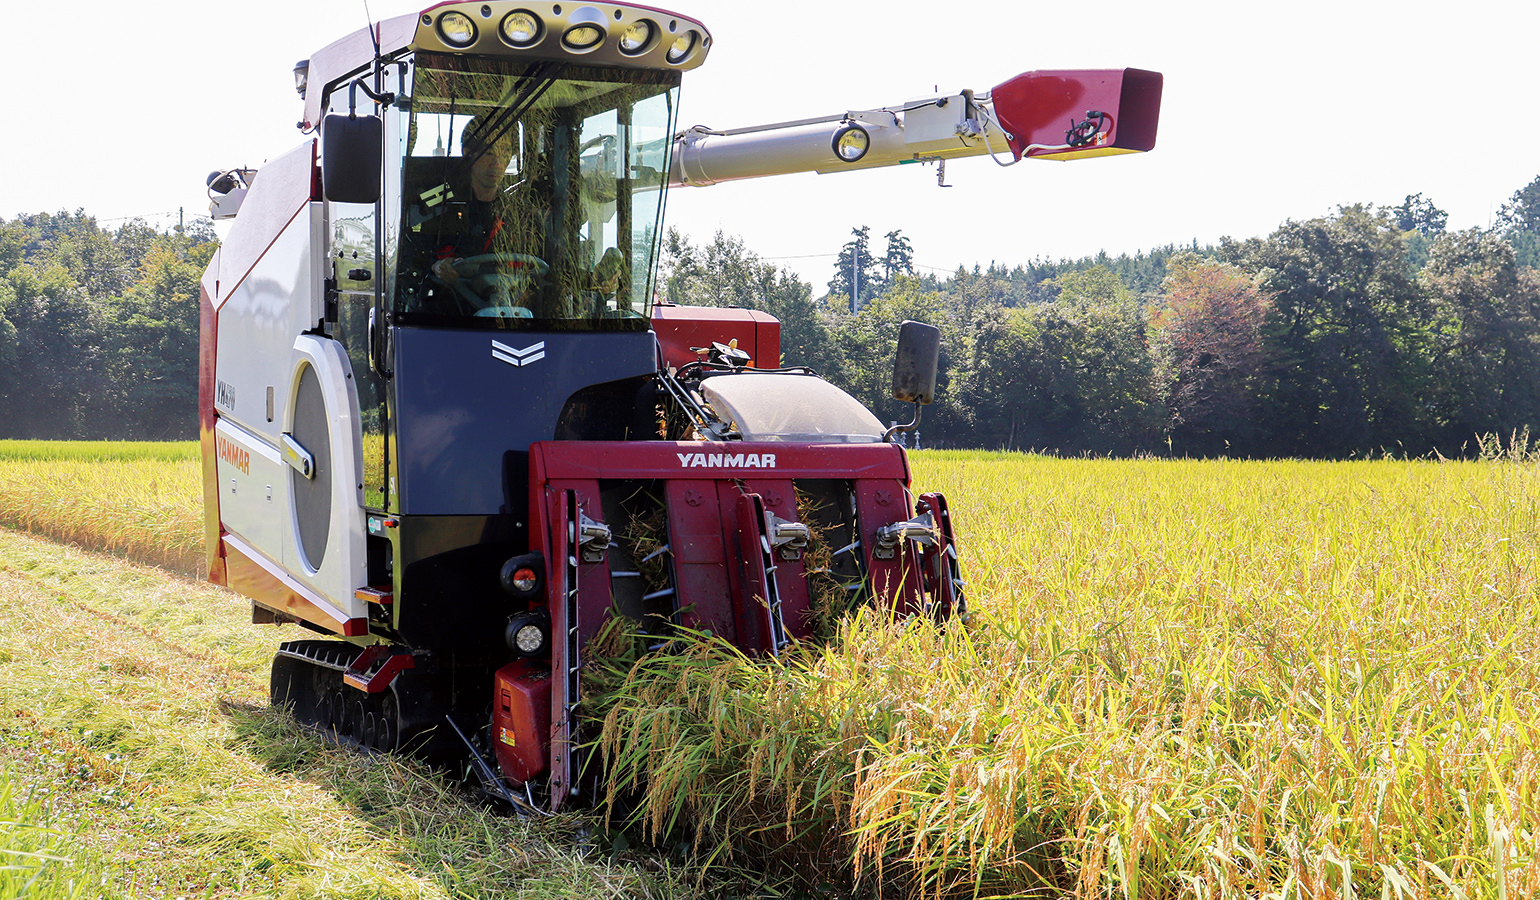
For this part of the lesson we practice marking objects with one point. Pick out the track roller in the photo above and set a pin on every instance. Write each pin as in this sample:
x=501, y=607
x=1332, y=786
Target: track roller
x=309, y=678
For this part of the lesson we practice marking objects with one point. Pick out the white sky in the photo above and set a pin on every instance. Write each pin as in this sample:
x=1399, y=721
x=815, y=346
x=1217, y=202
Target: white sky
x=1271, y=111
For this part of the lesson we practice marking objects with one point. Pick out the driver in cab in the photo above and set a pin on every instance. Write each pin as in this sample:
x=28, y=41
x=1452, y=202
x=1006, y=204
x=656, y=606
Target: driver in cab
x=482, y=242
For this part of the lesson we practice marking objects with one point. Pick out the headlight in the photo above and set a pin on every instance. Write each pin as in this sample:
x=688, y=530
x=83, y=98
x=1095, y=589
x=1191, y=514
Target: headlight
x=586, y=31
x=521, y=28
x=637, y=37
x=683, y=47
x=851, y=142
x=457, y=29
x=528, y=633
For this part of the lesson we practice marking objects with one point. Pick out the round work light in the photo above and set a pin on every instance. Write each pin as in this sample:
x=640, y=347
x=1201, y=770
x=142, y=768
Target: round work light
x=583, y=37
x=637, y=37
x=528, y=633
x=521, y=28
x=851, y=142
x=683, y=47
x=457, y=29
x=586, y=29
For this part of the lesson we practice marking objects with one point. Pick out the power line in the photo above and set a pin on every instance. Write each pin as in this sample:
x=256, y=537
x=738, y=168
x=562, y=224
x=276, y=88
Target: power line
x=140, y=216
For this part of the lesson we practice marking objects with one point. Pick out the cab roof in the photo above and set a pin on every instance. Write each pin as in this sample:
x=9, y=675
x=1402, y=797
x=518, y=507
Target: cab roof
x=656, y=39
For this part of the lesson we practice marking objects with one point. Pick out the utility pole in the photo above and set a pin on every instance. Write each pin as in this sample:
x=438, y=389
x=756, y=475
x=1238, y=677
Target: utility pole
x=855, y=285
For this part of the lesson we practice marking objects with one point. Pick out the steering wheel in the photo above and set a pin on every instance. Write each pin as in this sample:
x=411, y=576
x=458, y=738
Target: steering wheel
x=498, y=289
x=505, y=312
x=512, y=260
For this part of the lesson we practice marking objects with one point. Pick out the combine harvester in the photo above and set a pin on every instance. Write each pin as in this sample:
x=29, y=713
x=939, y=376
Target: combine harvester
x=437, y=395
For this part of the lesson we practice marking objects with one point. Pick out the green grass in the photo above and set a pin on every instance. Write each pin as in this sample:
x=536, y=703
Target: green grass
x=135, y=714
x=36, y=859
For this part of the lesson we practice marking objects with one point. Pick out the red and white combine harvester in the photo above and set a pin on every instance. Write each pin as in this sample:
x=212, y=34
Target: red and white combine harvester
x=439, y=405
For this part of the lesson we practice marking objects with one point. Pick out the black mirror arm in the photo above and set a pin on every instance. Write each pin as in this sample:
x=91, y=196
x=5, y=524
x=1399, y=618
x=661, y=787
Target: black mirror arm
x=383, y=98
x=887, y=436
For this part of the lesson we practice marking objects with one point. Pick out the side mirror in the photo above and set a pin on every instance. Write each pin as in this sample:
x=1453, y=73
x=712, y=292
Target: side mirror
x=914, y=369
x=351, y=148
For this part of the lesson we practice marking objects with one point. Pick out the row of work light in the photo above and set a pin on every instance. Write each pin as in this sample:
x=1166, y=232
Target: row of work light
x=582, y=30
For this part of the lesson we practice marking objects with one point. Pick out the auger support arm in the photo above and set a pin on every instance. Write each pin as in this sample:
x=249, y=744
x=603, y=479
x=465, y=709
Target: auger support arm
x=1057, y=114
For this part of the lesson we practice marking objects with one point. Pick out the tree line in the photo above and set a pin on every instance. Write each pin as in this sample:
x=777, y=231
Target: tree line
x=1370, y=330
x=99, y=328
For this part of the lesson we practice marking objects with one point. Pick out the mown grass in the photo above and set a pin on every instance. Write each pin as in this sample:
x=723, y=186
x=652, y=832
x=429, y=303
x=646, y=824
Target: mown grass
x=1215, y=679
x=135, y=720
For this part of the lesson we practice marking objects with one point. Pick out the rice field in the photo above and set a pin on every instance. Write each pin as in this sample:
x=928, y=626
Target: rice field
x=1180, y=679
x=1206, y=679
x=139, y=500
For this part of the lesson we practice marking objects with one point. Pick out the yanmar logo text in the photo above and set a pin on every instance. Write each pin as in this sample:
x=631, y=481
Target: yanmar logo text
x=726, y=460
x=234, y=454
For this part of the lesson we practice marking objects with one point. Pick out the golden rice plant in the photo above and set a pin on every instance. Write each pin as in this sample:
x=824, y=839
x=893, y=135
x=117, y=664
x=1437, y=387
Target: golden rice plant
x=140, y=500
x=1204, y=679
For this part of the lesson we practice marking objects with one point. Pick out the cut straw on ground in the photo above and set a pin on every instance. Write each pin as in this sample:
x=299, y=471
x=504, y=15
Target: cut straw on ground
x=135, y=712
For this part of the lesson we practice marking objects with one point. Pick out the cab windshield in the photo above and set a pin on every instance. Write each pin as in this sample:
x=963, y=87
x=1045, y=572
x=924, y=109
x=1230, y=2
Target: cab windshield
x=531, y=194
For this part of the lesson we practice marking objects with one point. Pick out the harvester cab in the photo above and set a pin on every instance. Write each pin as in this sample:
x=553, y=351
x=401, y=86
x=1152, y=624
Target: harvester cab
x=446, y=427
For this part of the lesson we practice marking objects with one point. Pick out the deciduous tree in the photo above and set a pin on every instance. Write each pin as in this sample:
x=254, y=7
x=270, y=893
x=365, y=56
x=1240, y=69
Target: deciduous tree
x=152, y=358
x=55, y=375
x=1486, y=340
x=726, y=273
x=1343, y=335
x=1073, y=375
x=1417, y=213
x=1208, y=342
x=1519, y=221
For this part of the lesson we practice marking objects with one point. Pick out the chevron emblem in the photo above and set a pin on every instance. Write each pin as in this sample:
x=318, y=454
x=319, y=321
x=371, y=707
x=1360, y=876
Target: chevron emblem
x=531, y=354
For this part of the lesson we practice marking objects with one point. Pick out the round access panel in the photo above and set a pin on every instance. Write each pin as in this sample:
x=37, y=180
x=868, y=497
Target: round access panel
x=312, y=496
